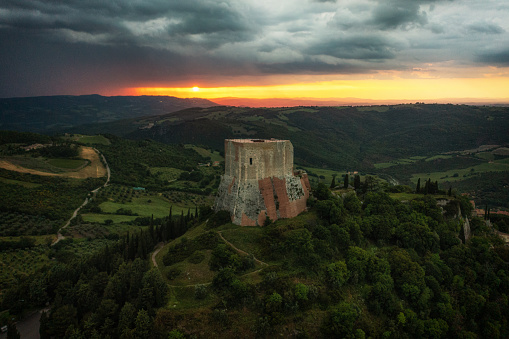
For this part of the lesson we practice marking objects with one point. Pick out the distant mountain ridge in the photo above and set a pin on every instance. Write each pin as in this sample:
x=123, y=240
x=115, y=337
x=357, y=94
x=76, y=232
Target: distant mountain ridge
x=52, y=113
x=331, y=137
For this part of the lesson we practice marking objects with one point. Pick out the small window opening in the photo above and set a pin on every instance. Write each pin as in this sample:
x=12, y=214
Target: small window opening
x=250, y=161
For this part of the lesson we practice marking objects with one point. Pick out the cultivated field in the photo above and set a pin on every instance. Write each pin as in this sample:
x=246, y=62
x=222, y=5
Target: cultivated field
x=95, y=168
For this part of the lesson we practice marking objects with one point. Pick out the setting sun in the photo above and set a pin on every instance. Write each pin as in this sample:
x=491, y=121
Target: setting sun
x=196, y=89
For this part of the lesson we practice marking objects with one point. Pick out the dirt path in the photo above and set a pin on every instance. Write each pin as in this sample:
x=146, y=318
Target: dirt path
x=241, y=251
x=161, y=245
x=94, y=170
x=94, y=192
x=158, y=248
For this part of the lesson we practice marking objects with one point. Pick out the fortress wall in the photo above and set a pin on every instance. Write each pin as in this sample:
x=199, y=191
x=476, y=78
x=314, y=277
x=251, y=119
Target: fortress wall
x=259, y=182
x=246, y=159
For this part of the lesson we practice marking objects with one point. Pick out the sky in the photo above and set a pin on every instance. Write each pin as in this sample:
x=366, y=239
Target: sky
x=257, y=49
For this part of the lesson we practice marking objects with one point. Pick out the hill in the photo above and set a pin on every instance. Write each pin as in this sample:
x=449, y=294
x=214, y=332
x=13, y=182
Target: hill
x=50, y=113
x=332, y=137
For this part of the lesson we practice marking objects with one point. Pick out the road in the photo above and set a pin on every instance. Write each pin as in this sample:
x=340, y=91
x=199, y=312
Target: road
x=94, y=192
x=28, y=327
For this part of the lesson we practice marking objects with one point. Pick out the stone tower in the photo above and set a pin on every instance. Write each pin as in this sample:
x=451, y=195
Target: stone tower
x=259, y=181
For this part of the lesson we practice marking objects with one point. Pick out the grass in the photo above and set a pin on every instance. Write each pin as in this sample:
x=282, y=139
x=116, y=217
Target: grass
x=158, y=206
x=439, y=156
x=38, y=164
x=19, y=182
x=100, y=218
x=191, y=273
x=411, y=196
x=166, y=173
x=67, y=163
x=214, y=155
x=94, y=139
x=245, y=238
x=382, y=165
x=461, y=173
x=327, y=173
x=141, y=206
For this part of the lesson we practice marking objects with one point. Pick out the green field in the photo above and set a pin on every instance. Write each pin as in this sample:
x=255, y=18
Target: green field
x=325, y=172
x=158, y=206
x=214, y=156
x=67, y=163
x=100, y=218
x=166, y=173
x=439, y=156
x=462, y=173
x=94, y=139
x=406, y=161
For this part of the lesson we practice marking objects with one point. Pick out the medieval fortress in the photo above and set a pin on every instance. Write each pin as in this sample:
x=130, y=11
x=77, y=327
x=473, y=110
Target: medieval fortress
x=259, y=182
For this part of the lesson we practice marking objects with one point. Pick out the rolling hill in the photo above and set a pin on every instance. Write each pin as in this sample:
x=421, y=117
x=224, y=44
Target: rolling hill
x=333, y=137
x=50, y=113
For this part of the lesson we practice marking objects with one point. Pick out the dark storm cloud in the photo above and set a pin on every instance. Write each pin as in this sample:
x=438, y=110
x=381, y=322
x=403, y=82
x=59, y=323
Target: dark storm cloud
x=486, y=28
x=68, y=45
x=357, y=46
x=397, y=13
x=498, y=58
x=310, y=67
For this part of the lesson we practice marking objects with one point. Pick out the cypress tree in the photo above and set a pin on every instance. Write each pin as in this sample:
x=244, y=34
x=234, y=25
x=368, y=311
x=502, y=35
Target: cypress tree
x=449, y=192
x=357, y=182
x=418, y=188
x=346, y=182
x=333, y=182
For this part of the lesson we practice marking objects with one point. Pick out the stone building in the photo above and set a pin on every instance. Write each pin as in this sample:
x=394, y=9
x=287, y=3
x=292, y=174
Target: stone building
x=259, y=182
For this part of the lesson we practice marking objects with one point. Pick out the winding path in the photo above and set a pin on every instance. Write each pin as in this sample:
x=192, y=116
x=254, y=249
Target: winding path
x=94, y=192
x=241, y=251
x=160, y=246
x=157, y=249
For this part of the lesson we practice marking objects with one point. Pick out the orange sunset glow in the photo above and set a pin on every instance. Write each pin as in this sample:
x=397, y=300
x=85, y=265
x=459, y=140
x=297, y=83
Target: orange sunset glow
x=403, y=89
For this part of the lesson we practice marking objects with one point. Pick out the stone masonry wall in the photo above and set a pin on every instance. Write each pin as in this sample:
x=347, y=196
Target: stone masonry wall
x=259, y=182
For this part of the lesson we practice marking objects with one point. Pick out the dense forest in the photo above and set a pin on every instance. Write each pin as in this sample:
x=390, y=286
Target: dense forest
x=360, y=265
x=130, y=161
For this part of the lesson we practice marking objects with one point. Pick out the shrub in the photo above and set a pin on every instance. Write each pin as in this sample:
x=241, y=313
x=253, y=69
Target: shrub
x=173, y=273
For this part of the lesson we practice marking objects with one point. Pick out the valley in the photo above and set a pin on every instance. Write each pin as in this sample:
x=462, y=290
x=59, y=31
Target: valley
x=148, y=244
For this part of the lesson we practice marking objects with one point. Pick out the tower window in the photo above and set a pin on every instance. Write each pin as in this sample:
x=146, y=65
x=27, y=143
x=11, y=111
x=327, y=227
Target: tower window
x=250, y=161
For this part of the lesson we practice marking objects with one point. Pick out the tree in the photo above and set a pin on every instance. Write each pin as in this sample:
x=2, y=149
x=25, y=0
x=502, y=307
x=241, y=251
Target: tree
x=418, y=188
x=337, y=274
x=143, y=324
x=126, y=317
x=357, y=182
x=321, y=192
x=341, y=321
x=43, y=327
x=346, y=181
x=12, y=331
x=333, y=183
